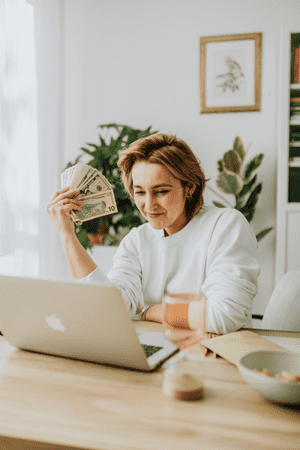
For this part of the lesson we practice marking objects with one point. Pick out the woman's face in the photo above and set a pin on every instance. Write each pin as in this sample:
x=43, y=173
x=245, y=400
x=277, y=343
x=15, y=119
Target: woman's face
x=160, y=197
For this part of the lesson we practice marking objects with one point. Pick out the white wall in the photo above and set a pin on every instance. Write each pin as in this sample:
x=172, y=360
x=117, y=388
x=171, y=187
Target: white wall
x=136, y=62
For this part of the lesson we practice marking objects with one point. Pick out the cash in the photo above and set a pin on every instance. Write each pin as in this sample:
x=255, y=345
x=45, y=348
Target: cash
x=95, y=192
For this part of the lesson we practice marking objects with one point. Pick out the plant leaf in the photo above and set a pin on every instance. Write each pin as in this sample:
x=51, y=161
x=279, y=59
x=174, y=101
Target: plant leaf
x=249, y=208
x=86, y=151
x=83, y=239
x=220, y=165
x=239, y=147
x=229, y=182
x=247, y=187
x=232, y=161
x=104, y=157
x=263, y=233
x=252, y=166
x=219, y=205
x=70, y=164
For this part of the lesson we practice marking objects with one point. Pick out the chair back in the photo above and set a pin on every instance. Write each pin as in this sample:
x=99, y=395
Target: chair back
x=283, y=309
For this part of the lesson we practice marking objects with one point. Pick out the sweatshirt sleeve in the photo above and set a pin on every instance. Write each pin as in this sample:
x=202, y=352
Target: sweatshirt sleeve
x=231, y=273
x=97, y=277
x=126, y=274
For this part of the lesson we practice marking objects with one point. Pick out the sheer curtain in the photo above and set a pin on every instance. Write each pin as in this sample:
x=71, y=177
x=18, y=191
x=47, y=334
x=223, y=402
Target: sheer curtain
x=19, y=172
x=31, y=135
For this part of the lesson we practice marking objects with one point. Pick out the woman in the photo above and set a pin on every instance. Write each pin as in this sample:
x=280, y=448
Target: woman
x=184, y=247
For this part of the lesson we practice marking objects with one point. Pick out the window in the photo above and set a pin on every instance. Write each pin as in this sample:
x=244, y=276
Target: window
x=19, y=173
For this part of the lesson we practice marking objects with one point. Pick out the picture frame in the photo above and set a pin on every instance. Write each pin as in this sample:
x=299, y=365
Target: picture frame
x=230, y=73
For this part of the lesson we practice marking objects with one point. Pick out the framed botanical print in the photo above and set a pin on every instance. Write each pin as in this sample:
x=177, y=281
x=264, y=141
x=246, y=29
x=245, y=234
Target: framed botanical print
x=230, y=73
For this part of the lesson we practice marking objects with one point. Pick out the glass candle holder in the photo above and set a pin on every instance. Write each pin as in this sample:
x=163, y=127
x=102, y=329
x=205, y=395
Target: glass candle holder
x=184, y=325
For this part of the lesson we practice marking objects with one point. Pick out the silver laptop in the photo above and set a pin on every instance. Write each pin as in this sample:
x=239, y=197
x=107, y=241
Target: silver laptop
x=80, y=321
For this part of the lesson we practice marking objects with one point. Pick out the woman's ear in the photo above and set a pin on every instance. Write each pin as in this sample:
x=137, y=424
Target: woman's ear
x=190, y=189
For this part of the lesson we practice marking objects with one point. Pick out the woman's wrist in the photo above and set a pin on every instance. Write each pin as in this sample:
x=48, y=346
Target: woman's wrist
x=80, y=262
x=143, y=315
x=67, y=236
x=153, y=314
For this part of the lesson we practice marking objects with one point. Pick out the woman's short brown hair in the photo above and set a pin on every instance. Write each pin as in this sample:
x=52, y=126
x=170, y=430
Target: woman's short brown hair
x=172, y=153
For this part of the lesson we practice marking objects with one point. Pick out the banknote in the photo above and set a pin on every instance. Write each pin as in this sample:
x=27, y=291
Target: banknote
x=97, y=206
x=95, y=184
x=66, y=176
x=81, y=173
x=95, y=192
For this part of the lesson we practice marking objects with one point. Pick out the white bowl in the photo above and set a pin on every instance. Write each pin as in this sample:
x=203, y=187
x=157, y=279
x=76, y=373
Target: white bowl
x=275, y=361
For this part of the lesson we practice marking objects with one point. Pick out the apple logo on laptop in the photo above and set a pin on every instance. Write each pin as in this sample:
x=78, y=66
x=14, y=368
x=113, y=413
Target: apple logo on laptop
x=55, y=323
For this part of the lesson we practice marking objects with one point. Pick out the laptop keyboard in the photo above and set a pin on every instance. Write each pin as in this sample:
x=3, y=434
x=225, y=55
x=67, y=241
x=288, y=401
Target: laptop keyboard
x=150, y=349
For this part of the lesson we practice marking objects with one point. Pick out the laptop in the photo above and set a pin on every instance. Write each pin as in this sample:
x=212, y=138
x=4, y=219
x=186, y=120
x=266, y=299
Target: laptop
x=81, y=321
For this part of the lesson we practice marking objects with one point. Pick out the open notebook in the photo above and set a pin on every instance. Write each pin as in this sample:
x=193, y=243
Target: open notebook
x=233, y=345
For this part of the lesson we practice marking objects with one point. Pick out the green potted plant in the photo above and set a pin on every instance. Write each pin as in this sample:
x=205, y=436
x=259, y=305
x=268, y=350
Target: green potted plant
x=109, y=230
x=238, y=177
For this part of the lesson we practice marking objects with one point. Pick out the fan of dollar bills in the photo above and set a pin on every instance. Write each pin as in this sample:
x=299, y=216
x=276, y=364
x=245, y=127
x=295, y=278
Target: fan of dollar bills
x=95, y=192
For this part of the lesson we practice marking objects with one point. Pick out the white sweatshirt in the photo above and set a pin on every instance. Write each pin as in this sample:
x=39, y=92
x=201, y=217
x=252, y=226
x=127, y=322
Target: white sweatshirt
x=215, y=254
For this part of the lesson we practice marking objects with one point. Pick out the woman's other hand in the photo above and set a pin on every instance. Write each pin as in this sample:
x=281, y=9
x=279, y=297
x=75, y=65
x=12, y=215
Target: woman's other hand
x=60, y=207
x=154, y=313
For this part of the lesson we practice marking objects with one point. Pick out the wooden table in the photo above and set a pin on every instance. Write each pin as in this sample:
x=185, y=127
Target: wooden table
x=54, y=403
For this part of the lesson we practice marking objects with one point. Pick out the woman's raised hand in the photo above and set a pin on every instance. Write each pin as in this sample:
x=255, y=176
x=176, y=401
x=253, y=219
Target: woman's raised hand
x=60, y=207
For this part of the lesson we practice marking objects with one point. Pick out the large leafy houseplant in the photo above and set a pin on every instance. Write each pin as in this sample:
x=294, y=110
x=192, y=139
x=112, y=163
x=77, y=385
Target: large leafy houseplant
x=238, y=177
x=109, y=230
